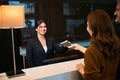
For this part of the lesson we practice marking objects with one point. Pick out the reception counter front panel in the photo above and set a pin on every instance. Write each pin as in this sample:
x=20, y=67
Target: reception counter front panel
x=59, y=71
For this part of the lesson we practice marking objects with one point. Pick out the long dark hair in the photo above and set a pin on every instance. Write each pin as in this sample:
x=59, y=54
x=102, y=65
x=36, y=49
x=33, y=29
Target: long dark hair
x=39, y=22
x=103, y=33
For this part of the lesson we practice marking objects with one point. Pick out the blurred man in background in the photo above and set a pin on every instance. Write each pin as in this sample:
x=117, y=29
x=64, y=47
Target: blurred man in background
x=117, y=19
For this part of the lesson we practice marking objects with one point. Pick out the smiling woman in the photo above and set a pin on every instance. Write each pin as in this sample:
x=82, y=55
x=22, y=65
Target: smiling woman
x=40, y=47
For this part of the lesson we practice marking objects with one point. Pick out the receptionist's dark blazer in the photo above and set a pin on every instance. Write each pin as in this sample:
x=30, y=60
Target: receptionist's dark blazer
x=35, y=53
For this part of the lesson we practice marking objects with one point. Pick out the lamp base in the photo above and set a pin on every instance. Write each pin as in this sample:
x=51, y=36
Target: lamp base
x=12, y=74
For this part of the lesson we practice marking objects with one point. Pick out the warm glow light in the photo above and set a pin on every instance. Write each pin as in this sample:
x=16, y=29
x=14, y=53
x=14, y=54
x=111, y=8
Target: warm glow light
x=12, y=16
x=0, y=16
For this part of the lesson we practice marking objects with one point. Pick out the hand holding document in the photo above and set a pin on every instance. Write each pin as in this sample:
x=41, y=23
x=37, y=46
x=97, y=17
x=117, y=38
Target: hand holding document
x=74, y=46
x=66, y=43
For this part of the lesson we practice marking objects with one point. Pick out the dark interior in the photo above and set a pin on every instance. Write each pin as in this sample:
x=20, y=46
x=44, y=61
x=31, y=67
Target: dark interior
x=66, y=20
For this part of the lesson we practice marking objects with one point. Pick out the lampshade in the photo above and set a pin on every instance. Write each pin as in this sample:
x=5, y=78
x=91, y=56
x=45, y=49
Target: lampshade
x=12, y=16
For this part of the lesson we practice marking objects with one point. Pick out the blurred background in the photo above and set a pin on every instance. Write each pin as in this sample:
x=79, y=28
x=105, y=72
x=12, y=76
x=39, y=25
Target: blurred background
x=66, y=20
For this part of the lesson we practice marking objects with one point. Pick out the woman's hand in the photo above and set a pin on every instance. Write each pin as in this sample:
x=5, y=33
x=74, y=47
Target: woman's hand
x=78, y=47
x=75, y=46
x=80, y=68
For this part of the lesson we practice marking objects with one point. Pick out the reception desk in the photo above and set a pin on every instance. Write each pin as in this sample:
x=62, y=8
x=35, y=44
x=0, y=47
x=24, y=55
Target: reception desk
x=58, y=71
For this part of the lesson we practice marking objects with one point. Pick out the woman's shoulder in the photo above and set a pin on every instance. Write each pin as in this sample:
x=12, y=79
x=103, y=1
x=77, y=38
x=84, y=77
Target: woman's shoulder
x=93, y=48
x=50, y=39
x=93, y=51
x=34, y=39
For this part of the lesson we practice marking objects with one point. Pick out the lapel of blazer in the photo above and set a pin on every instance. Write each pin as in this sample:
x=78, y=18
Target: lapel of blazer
x=39, y=45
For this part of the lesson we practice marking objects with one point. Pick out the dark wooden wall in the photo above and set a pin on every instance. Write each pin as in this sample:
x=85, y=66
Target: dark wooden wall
x=51, y=11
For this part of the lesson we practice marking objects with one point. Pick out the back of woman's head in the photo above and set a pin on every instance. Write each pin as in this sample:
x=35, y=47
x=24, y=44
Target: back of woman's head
x=100, y=24
x=103, y=32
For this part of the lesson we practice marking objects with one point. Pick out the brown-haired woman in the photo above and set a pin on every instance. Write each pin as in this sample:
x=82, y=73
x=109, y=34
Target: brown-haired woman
x=101, y=58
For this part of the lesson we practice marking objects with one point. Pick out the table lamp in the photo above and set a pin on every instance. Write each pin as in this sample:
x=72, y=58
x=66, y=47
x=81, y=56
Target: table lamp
x=12, y=17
